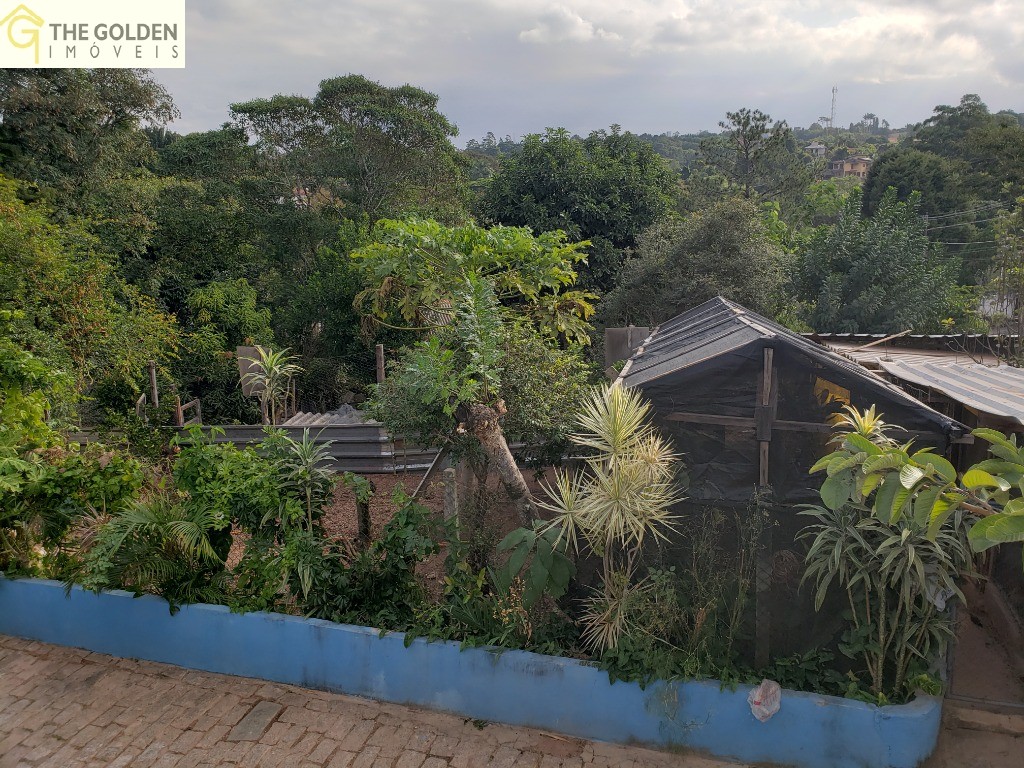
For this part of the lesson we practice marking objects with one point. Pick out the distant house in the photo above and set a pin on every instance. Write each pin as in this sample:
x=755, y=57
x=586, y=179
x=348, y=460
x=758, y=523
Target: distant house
x=857, y=166
x=816, y=149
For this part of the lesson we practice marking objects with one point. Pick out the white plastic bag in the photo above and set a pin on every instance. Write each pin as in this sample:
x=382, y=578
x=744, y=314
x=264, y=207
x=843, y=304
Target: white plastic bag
x=765, y=700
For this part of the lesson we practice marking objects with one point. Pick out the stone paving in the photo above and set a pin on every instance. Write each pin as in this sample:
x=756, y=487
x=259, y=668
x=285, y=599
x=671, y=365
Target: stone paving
x=70, y=708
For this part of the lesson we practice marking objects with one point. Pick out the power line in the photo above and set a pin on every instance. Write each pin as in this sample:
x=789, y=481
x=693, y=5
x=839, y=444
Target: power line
x=964, y=224
x=986, y=207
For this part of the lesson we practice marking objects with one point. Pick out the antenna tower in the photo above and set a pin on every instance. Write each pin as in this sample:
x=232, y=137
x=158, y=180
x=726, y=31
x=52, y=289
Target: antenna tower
x=832, y=118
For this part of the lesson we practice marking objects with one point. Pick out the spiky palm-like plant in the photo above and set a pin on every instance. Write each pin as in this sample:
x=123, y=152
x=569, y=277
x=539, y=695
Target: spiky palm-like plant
x=868, y=424
x=621, y=499
x=164, y=546
x=308, y=472
x=270, y=376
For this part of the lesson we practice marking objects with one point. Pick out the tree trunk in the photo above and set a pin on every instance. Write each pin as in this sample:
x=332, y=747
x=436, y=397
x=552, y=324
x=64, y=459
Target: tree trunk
x=483, y=422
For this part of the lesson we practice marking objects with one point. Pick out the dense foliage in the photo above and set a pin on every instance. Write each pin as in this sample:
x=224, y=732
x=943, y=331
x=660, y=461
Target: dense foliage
x=315, y=228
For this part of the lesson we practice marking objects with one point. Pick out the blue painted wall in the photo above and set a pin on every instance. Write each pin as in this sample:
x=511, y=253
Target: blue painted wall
x=512, y=687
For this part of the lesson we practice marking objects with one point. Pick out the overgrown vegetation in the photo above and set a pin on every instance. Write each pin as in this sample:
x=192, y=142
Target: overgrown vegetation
x=316, y=228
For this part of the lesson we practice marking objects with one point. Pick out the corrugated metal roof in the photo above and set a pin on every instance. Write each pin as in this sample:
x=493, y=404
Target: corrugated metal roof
x=873, y=357
x=994, y=391
x=720, y=326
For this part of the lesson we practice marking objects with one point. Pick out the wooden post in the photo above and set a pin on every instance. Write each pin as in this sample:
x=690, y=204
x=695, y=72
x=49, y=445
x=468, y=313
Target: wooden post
x=764, y=422
x=179, y=418
x=451, y=494
x=363, y=517
x=380, y=363
x=154, y=393
x=765, y=414
x=762, y=585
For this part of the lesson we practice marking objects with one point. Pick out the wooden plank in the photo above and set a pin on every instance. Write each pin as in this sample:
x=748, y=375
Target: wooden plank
x=741, y=422
x=763, y=463
x=745, y=422
x=767, y=377
x=435, y=465
x=766, y=416
x=154, y=393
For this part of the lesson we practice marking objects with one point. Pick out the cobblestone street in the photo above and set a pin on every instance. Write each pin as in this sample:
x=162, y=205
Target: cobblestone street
x=67, y=708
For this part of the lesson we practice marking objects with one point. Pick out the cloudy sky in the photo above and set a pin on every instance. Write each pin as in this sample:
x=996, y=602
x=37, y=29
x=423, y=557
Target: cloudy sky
x=518, y=66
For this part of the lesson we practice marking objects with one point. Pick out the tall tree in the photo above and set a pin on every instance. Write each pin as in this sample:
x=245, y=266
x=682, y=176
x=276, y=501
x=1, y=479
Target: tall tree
x=76, y=135
x=74, y=313
x=725, y=250
x=755, y=156
x=375, y=150
x=878, y=273
x=606, y=188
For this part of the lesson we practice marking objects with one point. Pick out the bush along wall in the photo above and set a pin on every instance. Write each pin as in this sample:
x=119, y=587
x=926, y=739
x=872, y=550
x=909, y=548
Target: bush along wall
x=514, y=687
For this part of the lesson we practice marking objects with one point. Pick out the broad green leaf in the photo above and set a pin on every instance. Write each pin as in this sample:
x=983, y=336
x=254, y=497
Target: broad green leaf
x=996, y=438
x=537, y=583
x=835, y=492
x=996, y=529
x=824, y=461
x=516, y=537
x=1014, y=507
x=884, y=498
x=979, y=478
x=893, y=459
x=842, y=463
x=941, y=466
x=861, y=443
x=999, y=466
x=870, y=483
x=910, y=475
x=518, y=558
x=924, y=503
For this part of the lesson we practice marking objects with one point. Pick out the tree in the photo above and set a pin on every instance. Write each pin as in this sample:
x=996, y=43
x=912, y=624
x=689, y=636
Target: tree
x=756, y=156
x=877, y=274
x=724, y=250
x=938, y=180
x=467, y=287
x=74, y=313
x=74, y=135
x=414, y=269
x=375, y=150
x=606, y=189
x=64, y=126
x=216, y=319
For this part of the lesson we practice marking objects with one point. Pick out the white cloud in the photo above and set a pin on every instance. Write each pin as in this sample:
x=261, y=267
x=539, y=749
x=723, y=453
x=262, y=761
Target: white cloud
x=563, y=25
x=514, y=66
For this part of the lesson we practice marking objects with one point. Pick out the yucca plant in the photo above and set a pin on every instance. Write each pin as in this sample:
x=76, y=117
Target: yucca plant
x=621, y=499
x=271, y=376
x=307, y=473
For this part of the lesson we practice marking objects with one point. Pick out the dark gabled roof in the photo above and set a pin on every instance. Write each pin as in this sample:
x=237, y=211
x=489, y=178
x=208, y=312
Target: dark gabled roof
x=720, y=326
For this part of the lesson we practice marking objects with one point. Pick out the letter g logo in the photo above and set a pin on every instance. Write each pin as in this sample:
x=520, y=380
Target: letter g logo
x=23, y=29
